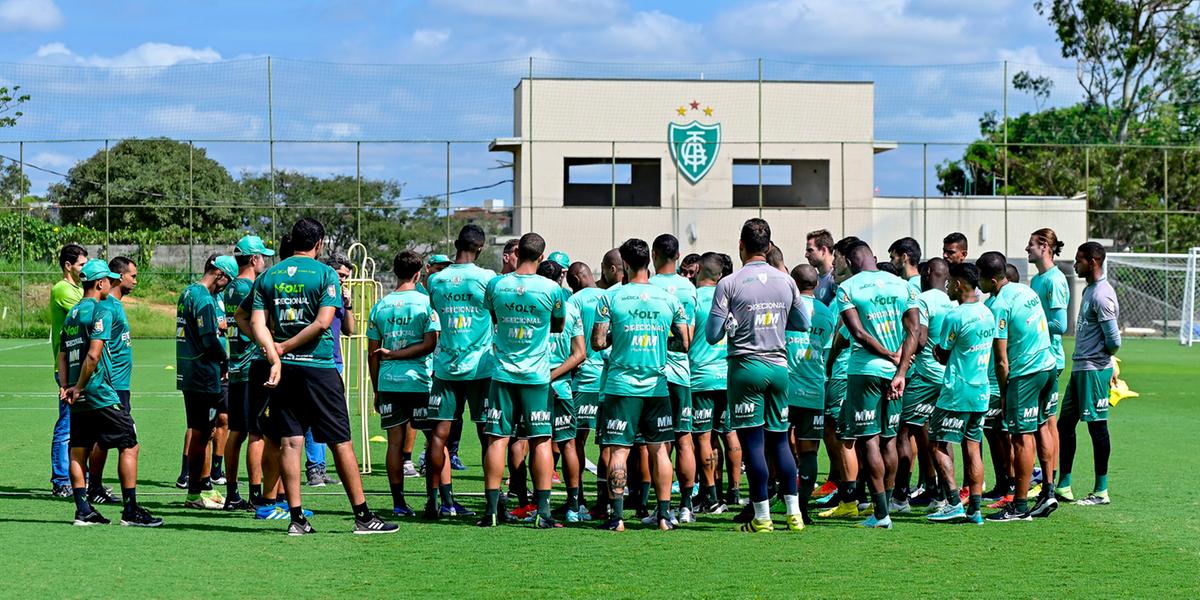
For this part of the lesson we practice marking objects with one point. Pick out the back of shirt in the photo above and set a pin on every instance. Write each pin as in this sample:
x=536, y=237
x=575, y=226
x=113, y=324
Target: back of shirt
x=1052, y=289
x=708, y=362
x=63, y=296
x=291, y=293
x=465, y=344
x=587, y=376
x=88, y=321
x=807, y=351
x=1021, y=321
x=572, y=328
x=826, y=290
x=678, y=370
x=969, y=331
x=397, y=321
x=523, y=306
x=993, y=383
x=932, y=307
x=196, y=325
x=880, y=299
x=755, y=302
x=119, y=345
x=242, y=350
x=1099, y=304
x=640, y=318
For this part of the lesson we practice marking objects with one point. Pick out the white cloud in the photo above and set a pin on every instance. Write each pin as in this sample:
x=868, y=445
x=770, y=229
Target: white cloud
x=337, y=130
x=37, y=15
x=189, y=120
x=430, y=37
x=149, y=54
x=1027, y=56
x=545, y=12
x=52, y=160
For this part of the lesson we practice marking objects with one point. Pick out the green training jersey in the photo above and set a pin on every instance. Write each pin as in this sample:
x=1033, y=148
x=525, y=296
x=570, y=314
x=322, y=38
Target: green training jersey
x=587, y=376
x=63, y=296
x=397, y=321
x=969, y=331
x=640, y=317
x=89, y=320
x=880, y=299
x=242, y=350
x=843, y=360
x=1021, y=321
x=199, y=353
x=522, y=307
x=678, y=370
x=292, y=292
x=1052, y=289
x=993, y=383
x=119, y=345
x=915, y=283
x=932, y=307
x=465, y=344
x=572, y=328
x=709, y=362
x=807, y=351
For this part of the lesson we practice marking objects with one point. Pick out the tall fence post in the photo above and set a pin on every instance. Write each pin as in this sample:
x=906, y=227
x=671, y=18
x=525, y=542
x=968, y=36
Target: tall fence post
x=842, y=168
x=447, y=192
x=1006, y=186
x=358, y=190
x=925, y=195
x=760, y=144
x=271, y=147
x=530, y=161
x=613, y=194
x=106, y=200
x=1087, y=191
x=24, y=215
x=191, y=203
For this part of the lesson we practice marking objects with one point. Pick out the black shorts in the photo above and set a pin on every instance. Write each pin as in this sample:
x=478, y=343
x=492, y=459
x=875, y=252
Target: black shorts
x=257, y=395
x=109, y=427
x=308, y=398
x=223, y=403
x=124, y=396
x=201, y=409
x=239, y=406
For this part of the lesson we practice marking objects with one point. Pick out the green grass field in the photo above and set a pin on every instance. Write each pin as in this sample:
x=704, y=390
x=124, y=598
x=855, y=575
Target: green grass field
x=1146, y=544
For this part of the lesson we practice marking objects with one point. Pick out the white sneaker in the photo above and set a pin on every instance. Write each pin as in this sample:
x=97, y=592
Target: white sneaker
x=410, y=470
x=650, y=519
x=898, y=507
x=686, y=516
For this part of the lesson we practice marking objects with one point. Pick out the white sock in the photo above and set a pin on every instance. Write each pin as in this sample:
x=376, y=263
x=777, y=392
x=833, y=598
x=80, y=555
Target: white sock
x=793, y=503
x=762, y=510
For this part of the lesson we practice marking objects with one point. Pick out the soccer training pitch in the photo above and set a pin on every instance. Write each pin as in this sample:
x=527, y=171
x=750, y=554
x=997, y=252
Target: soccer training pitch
x=1146, y=544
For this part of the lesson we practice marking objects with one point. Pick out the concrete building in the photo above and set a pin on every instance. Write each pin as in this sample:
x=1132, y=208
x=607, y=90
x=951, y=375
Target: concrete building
x=598, y=161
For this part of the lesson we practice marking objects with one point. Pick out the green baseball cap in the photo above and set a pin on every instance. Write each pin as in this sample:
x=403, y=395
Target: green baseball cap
x=227, y=265
x=561, y=258
x=250, y=245
x=95, y=270
x=438, y=259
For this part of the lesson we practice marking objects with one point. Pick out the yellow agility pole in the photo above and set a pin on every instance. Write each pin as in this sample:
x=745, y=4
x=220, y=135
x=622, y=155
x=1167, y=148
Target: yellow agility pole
x=364, y=292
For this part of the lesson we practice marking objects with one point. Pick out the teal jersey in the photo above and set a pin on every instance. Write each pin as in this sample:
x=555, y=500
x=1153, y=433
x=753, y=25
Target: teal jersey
x=843, y=360
x=807, y=351
x=915, y=283
x=522, y=307
x=880, y=299
x=640, y=317
x=709, y=362
x=572, y=328
x=932, y=307
x=223, y=320
x=242, y=350
x=587, y=376
x=993, y=383
x=119, y=345
x=89, y=320
x=1052, y=289
x=465, y=344
x=397, y=321
x=1021, y=321
x=199, y=353
x=678, y=370
x=292, y=292
x=969, y=331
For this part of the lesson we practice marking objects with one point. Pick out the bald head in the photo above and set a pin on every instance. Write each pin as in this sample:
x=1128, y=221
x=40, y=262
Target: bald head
x=806, y=277
x=612, y=268
x=936, y=274
x=579, y=276
x=862, y=258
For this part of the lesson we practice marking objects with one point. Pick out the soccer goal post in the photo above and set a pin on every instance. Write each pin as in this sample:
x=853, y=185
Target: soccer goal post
x=1157, y=293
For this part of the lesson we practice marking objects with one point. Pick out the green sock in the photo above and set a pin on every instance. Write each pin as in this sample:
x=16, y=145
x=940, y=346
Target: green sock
x=807, y=467
x=1021, y=504
x=708, y=494
x=618, y=506
x=431, y=495
x=881, y=505
x=1064, y=480
x=1101, y=483
x=493, y=501
x=973, y=504
x=447, y=494
x=573, y=499
x=601, y=496
x=664, y=509
x=644, y=494
x=888, y=493
x=542, y=498
x=129, y=498
x=685, y=499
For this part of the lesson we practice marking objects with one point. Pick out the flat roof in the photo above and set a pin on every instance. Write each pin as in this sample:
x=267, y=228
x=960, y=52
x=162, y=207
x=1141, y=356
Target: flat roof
x=681, y=80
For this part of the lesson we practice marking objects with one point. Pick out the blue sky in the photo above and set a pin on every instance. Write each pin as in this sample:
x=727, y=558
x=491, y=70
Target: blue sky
x=926, y=104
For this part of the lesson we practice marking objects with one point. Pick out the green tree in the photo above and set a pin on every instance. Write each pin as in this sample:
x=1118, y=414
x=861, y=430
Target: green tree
x=10, y=101
x=14, y=185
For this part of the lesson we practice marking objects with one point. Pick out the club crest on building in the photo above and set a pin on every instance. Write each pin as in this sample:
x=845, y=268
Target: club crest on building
x=694, y=146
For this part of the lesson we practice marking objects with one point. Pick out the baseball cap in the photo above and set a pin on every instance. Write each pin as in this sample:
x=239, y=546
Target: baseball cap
x=252, y=244
x=227, y=265
x=438, y=259
x=95, y=270
x=561, y=258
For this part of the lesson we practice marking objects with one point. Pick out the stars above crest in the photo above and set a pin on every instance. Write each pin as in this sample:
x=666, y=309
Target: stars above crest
x=693, y=106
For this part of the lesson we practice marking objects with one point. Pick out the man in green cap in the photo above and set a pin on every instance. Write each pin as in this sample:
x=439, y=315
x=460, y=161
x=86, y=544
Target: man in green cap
x=97, y=417
x=561, y=258
x=200, y=366
x=65, y=294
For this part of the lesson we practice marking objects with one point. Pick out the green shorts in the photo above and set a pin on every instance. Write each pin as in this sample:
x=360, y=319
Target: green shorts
x=629, y=418
x=587, y=405
x=835, y=396
x=1050, y=408
x=955, y=426
x=864, y=413
x=518, y=410
x=920, y=394
x=704, y=406
x=994, y=417
x=681, y=407
x=1024, y=399
x=1087, y=396
x=397, y=408
x=721, y=421
x=563, y=412
x=892, y=411
x=448, y=397
x=757, y=394
x=809, y=423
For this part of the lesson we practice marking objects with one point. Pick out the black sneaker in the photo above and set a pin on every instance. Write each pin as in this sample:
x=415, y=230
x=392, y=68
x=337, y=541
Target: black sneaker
x=924, y=498
x=237, y=504
x=139, y=517
x=259, y=502
x=299, y=528
x=489, y=520
x=373, y=524
x=430, y=512
x=462, y=511
x=545, y=522
x=218, y=476
x=996, y=493
x=182, y=482
x=716, y=508
x=61, y=491
x=1008, y=513
x=613, y=525
x=314, y=477
x=745, y=515
x=89, y=519
x=102, y=495
x=1045, y=505
x=327, y=479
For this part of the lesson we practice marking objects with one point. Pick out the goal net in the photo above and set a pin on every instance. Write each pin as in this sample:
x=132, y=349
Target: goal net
x=1157, y=293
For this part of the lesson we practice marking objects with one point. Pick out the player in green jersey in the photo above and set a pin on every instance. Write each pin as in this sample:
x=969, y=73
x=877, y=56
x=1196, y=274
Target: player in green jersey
x=641, y=323
x=63, y=295
x=665, y=254
x=120, y=350
x=834, y=491
x=569, y=351
x=1024, y=373
x=905, y=255
x=1054, y=292
x=807, y=351
x=585, y=384
x=98, y=417
x=872, y=306
x=964, y=345
x=954, y=248
x=293, y=304
x=526, y=309
x=709, y=372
